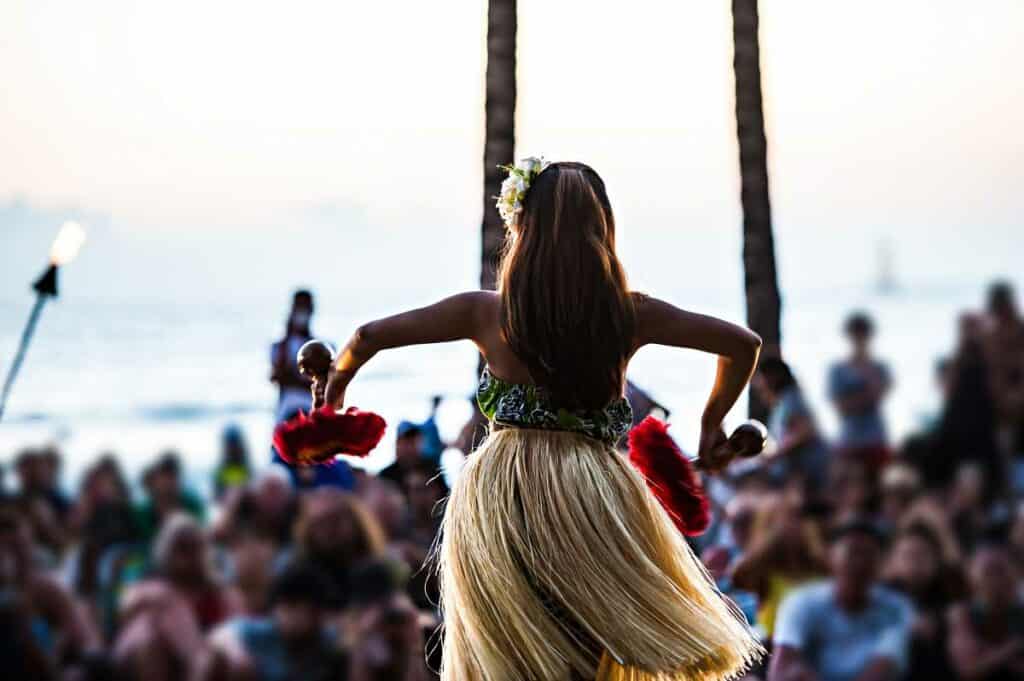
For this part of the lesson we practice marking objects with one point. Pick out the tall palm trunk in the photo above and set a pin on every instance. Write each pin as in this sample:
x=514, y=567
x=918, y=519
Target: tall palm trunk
x=500, y=117
x=760, y=279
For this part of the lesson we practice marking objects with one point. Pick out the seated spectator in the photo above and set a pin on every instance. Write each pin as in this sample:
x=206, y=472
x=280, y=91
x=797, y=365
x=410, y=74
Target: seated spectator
x=234, y=469
x=852, y=490
x=165, y=495
x=294, y=642
x=426, y=491
x=103, y=484
x=846, y=628
x=900, y=487
x=385, y=633
x=857, y=386
x=799, y=449
x=164, y=617
x=104, y=523
x=916, y=569
x=966, y=504
x=267, y=507
x=334, y=533
x=42, y=632
x=408, y=445
x=41, y=501
x=387, y=502
x=986, y=633
x=786, y=551
x=930, y=510
x=737, y=536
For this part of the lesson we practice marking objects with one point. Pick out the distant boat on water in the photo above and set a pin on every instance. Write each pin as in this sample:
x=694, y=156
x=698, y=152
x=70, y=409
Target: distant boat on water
x=886, y=282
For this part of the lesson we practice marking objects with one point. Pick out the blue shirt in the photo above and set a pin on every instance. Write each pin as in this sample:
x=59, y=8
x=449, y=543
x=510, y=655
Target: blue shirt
x=811, y=458
x=272, y=658
x=864, y=427
x=838, y=645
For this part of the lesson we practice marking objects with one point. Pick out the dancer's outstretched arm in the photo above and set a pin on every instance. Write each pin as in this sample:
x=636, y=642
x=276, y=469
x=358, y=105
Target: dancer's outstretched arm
x=459, y=317
x=660, y=323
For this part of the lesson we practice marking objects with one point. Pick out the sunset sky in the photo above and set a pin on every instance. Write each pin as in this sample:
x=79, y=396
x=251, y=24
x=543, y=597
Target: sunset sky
x=240, y=148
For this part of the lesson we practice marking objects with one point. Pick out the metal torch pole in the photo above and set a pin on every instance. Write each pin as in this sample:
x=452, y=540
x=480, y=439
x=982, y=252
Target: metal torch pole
x=26, y=337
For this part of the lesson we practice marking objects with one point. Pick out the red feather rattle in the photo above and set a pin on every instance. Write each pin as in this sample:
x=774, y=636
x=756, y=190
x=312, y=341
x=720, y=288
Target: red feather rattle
x=318, y=437
x=670, y=475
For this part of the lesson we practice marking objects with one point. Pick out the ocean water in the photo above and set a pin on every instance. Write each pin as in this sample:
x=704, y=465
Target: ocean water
x=139, y=378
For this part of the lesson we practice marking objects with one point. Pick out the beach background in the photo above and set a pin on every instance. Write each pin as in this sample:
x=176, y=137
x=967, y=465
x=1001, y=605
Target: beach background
x=219, y=164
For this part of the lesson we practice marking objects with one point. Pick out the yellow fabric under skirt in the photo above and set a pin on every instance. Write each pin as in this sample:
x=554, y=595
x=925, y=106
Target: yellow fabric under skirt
x=556, y=559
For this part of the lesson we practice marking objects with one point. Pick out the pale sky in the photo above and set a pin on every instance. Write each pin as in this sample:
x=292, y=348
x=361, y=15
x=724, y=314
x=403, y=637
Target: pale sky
x=196, y=139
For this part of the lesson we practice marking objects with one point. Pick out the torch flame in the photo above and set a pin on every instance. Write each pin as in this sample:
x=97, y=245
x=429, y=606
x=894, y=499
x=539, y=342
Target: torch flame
x=67, y=244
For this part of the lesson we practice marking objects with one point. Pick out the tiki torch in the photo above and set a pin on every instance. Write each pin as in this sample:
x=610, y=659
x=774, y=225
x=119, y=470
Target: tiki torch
x=64, y=249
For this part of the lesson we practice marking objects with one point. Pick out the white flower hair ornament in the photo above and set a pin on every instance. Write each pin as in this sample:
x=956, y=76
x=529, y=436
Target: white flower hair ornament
x=514, y=188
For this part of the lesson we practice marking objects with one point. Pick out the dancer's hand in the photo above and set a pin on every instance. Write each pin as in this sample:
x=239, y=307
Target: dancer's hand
x=713, y=453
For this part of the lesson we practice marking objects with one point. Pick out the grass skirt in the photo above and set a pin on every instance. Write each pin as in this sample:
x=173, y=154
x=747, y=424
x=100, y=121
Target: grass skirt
x=556, y=560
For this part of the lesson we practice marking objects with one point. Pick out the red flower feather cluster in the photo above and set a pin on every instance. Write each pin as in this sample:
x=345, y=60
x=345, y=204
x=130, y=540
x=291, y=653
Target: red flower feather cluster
x=317, y=437
x=669, y=476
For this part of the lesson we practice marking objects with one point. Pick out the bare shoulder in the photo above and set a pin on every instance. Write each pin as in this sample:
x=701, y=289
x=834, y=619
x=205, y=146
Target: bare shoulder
x=486, y=304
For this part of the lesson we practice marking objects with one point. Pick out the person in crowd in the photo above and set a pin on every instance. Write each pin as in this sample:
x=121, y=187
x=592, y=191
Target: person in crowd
x=966, y=504
x=644, y=404
x=103, y=485
x=234, y=468
x=294, y=395
x=847, y=628
x=426, y=491
x=986, y=632
x=166, y=494
x=799, y=448
x=293, y=388
x=915, y=568
x=1004, y=350
x=931, y=511
x=967, y=424
x=249, y=569
x=386, y=501
x=102, y=521
x=42, y=631
x=857, y=387
x=473, y=431
x=852, y=489
x=408, y=445
x=163, y=618
x=265, y=507
x=736, y=537
x=40, y=497
x=335, y=532
x=432, y=445
x=385, y=633
x=900, y=487
x=785, y=551
x=293, y=642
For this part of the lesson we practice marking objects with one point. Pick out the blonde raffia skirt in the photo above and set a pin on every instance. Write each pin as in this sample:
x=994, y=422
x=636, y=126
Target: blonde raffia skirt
x=556, y=562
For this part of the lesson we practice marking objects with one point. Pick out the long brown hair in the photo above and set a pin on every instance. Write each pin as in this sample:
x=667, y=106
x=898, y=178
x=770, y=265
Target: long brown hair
x=566, y=310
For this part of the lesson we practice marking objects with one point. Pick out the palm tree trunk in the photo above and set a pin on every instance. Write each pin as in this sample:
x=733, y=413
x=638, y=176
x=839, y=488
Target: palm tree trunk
x=500, y=117
x=760, y=279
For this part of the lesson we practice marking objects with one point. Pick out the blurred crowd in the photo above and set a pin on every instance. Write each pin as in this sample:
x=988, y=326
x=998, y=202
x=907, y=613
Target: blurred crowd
x=854, y=557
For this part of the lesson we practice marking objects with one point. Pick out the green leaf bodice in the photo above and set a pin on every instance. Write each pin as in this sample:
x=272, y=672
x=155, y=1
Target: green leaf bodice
x=529, y=406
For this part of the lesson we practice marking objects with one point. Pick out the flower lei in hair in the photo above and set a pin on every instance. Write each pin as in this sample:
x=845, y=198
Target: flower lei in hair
x=515, y=186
